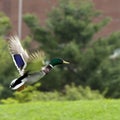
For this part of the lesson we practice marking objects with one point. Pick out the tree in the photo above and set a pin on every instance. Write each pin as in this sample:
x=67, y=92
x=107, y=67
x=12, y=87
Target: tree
x=106, y=76
x=6, y=72
x=7, y=69
x=68, y=34
x=5, y=24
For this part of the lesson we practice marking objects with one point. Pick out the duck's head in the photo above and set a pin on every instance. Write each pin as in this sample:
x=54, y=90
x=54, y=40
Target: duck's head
x=57, y=61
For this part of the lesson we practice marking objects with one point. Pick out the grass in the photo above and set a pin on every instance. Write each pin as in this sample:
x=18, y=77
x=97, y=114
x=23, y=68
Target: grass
x=68, y=110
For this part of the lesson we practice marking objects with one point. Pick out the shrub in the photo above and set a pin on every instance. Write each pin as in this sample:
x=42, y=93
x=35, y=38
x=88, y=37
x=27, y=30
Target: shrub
x=78, y=93
x=71, y=93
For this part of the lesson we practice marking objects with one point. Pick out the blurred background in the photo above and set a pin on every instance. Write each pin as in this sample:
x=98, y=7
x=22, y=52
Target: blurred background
x=85, y=33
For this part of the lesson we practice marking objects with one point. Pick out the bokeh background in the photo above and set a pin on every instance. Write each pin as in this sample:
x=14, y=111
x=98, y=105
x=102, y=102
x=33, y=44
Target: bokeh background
x=85, y=33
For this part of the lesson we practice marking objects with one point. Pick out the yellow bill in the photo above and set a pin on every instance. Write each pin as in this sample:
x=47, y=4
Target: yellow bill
x=65, y=62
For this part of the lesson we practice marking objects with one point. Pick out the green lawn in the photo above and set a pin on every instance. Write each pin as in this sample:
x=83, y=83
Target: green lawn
x=76, y=110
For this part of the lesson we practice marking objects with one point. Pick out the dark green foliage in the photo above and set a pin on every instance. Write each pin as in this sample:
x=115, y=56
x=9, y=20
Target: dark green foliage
x=69, y=30
x=72, y=20
x=105, y=76
x=79, y=93
x=69, y=34
x=7, y=69
x=72, y=92
x=5, y=24
x=38, y=33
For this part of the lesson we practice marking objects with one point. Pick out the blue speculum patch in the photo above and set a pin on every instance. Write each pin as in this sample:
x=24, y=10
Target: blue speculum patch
x=19, y=60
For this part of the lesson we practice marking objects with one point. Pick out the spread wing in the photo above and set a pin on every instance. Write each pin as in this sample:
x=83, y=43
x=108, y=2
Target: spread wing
x=35, y=62
x=19, y=55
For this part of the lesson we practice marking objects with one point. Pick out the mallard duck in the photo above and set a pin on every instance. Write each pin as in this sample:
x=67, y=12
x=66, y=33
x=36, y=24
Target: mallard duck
x=30, y=67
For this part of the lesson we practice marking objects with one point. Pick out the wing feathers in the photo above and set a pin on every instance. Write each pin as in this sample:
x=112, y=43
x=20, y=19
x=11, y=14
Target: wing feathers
x=19, y=55
x=35, y=62
x=22, y=61
x=19, y=63
x=16, y=47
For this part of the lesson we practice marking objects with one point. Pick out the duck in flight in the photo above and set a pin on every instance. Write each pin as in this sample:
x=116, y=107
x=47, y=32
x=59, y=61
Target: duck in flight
x=30, y=67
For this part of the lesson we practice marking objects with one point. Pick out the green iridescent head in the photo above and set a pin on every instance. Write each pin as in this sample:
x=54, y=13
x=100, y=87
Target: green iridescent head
x=58, y=61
